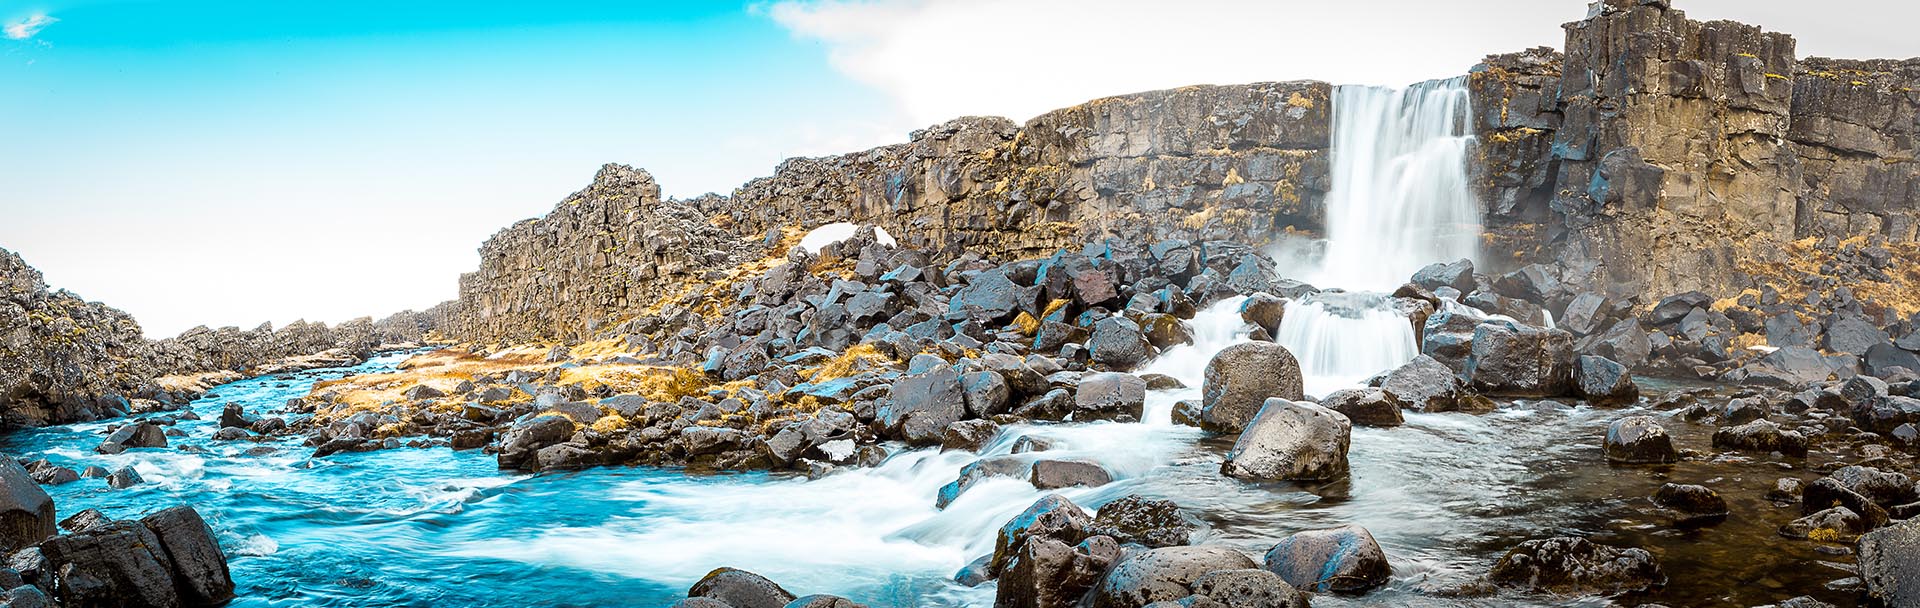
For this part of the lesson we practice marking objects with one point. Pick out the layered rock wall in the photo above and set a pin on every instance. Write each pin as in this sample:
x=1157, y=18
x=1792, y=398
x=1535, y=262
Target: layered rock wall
x=1660, y=154
x=1195, y=163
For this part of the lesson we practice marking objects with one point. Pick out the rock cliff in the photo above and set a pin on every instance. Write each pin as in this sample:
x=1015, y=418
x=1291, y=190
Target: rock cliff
x=1660, y=154
x=64, y=359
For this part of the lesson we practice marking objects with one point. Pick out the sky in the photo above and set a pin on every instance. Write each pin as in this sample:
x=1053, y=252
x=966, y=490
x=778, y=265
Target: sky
x=234, y=162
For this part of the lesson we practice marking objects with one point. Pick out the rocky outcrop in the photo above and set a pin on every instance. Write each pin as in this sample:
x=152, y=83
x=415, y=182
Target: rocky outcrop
x=64, y=359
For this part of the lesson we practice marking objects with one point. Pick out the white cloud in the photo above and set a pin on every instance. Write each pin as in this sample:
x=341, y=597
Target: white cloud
x=941, y=59
x=27, y=26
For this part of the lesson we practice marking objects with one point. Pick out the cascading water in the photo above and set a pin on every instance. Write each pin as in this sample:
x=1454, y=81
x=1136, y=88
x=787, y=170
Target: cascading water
x=1400, y=200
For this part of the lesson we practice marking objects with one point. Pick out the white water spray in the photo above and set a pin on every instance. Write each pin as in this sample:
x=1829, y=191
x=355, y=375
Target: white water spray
x=1341, y=339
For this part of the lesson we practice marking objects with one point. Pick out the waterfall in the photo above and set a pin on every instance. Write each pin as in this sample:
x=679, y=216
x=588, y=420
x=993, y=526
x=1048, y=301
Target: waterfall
x=1342, y=338
x=1400, y=198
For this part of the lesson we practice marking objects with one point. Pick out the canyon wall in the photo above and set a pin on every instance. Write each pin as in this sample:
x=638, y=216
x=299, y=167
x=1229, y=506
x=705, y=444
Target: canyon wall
x=1660, y=154
x=1196, y=163
x=64, y=359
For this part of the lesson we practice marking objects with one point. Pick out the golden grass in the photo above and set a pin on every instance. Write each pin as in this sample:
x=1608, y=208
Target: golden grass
x=1797, y=259
x=858, y=358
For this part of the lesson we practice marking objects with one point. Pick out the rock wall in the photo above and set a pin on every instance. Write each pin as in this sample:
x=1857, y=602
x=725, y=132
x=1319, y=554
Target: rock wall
x=64, y=359
x=1195, y=163
x=1660, y=154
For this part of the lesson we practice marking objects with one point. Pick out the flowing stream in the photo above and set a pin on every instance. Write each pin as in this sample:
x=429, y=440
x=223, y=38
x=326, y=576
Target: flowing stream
x=1445, y=494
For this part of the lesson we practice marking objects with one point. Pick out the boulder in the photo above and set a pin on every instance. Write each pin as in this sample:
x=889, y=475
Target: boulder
x=974, y=472
x=232, y=415
x=1163, y=574
x=1603, y=382
x=1675, y=307
x=1584, y=314
x=520, y=445
x=986, y=393
x=1693, y=502
x=1053, y=516
x=924, y=404
x=967, y=435
x=1367, y=406
x=1144, y=521
x=26, y=512
x=1291, y=441
x=1264, y=311
x=1448, y=336
x=1521, y=360
x=1241, y=378
x=199, y=568
x=1639, y=440
x=1055, y=474
x=123, y=478
x=740, y=589
x=1884, y=488
x=1338, y=560
x=1425, y=385
x=1118, y=343
x=141, y=434
x=1890, y=564
x=121, y=563
x=1457, y=274
x=1246, y=588
x=1570, y=565
x=1835, y=525
x=1827, y=492
x=1109, y=396
x=1048, y=573
x=1763, y=436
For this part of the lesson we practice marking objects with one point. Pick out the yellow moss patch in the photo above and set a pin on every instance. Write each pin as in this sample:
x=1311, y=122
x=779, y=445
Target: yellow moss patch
x=610, y=423
x=1055, y=306
x=1749, y=340
x=1026, y=323
x=1299, y=101
x=857, y=358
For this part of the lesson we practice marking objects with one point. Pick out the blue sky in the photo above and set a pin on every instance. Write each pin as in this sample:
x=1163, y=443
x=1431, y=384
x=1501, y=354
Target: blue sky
x=227, y=163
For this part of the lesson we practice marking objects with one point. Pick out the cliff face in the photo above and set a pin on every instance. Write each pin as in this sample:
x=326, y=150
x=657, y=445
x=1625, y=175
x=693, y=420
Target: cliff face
x=1196, y=163
x=1656, y=155
x=1661, y=154
x=64, y=359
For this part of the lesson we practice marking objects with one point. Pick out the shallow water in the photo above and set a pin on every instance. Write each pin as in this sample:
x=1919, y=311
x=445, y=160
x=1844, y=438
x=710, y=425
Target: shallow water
x=1445, y=495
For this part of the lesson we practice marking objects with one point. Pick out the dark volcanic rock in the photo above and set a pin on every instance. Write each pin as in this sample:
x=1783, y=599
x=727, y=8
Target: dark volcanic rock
x=1163, y=574
x=1134, y=519
x=118, y=564
x=1457, y=274
x=740, y=589
x=141, y=434
x=1761, y=435
x=1366, y=406
x=1248, y=588
x=1639, y=440
x=1890, y=564
x=1241, y=378
x=199, y=567
x=520, y=446
x=1339, y=560
x=1055, y=474
x=1118, y=343
x=1575, y=565
x=1047, y=573
x=1425, y=385
x=1053, y=516
x=26, y=512
x=1604, y=382
x=1693, y=501
x=924, y=404
x=1109, y=396
x=1512, y=359
x=1291, y=441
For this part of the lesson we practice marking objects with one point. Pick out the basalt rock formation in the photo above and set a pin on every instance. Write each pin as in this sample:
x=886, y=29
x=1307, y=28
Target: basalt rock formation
x=64, y=359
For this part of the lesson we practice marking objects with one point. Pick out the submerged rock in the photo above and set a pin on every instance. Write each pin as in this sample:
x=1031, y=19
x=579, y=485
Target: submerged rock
x=740, y=589
x=1694, y=502
x=1291, y=441
x=1572, y=565
x=1239, y=381
x=1339, y=560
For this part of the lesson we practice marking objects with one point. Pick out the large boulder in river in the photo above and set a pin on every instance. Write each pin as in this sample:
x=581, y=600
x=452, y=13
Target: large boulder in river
x=1048, y=573
x=141, y=434
x=1603, y=382
x=1109, y=396
x=1339, y=560
x=1265, y=311
x=1521, y=360
x=1639, y=440
x=1890, y=564
x=1053, y=516
x=1448, y=336
x=1762, y=436
x=1239, y=381
x=741, y=589
x=1247, y=588
x=1144, y=521
x=1570, y=565
x=199, y=567
x=1163, y=574
x=1367, y=406
x=1291, y=441
x=120, y=564
x=924, y=404
x=1425, y=385
x=26, y=512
